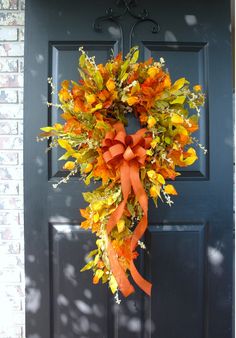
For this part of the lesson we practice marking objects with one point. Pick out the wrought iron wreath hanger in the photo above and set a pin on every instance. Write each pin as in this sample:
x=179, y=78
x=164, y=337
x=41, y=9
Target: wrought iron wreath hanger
x=128, y=8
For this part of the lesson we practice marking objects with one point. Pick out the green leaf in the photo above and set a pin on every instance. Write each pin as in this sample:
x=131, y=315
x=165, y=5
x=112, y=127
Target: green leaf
x=92, y=253
x=98, y=79
x=88, y=196
x=167, y=140
x=135, y=57
x=179, y=100
x=161, y=104
x=102, y=125
x=124, y=68
x=82, y=60
x=64, y=156
x=88, y=178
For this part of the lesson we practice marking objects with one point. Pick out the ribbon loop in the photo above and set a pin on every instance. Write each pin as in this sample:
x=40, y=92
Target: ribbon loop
x=127, y=153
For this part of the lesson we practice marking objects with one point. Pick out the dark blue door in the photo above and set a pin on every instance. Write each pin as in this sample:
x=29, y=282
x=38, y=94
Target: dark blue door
x=189, y=256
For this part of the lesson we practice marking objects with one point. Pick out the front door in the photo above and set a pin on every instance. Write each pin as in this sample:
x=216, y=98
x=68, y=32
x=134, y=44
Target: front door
x=189, y=246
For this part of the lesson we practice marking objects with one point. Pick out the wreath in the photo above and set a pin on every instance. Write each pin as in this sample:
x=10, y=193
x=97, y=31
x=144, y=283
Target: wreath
x=131, y=168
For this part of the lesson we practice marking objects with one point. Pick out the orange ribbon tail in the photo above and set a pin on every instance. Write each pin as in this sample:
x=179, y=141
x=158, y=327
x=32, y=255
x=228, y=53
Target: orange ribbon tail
x=127, y=153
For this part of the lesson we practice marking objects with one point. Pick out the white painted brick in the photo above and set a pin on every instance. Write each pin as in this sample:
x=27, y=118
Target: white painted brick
x=9, y=158
x=11, y=261
x=11, y=142
x=11, y=173
x=21, y=157
x=21, y=34
x=21, y=65
x=22, y=4
x=9, y=247
x=8, y=96
x=21, y=218
x=11, y=332
x=11, y=111
x=21, y=187
x=14, y=291
x=11, y=18
x=10, y=187
x=10, y=218
x=11, y=80
x=8, y=4
x=10, y=276
x=12, y=49
x=11, y=202
x=8, y=34
x=8, y=65
x=15, y=304
x=8, y=127
x=20, y=96
x=20, y=127
x=10, y=232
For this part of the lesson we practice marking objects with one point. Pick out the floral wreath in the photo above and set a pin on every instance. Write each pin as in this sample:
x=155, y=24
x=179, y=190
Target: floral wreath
x=131, y=168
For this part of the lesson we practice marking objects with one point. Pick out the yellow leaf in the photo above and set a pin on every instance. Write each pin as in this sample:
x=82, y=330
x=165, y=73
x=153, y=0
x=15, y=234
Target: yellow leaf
x=111, y=85
x=90, y=98
x=96, y=206
x=152, y=72
x=170, y=189
x=64, y=144
x=58, y=126
x=88, y=168
x=175, y=118
x=66, y=116
x=87, y=266
x=155, y=141
x=82, y=60
x=121, y=225
x=69, y=165
x=47, y=129
x=88, y=179
x=135, y=57
x=135, y=88
x=113, y=284
x=98, y=106
x=152, y=174
x=99, y=273
x=149, y=152
x=192, y=158
x=160, y=179
x=179, y=83
x=132, y=100
x=96, y=217
x=78, y=156
x=179, y=100
x=151, y=121
x=154, y=191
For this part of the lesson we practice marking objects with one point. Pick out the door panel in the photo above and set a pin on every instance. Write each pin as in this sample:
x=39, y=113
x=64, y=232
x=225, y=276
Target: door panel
x=178, y=265
x=191, y=61
x=189, y=246
x=63, y=64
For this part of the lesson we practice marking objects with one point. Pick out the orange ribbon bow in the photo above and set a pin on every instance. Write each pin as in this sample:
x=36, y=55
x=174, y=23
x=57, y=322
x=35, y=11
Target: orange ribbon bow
x=127, y=153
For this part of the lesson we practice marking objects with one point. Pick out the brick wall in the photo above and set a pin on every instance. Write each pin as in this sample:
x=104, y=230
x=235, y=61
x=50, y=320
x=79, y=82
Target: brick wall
x=11, y=175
